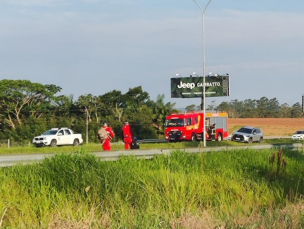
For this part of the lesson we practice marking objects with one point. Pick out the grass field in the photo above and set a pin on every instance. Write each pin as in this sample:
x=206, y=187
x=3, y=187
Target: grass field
x=232, y=189
x=94, y=147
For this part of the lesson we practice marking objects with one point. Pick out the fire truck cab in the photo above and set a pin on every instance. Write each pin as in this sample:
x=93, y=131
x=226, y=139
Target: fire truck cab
x=189, y=126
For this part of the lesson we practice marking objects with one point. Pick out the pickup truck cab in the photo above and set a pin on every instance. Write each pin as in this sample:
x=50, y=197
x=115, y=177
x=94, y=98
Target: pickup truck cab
x=58, y=137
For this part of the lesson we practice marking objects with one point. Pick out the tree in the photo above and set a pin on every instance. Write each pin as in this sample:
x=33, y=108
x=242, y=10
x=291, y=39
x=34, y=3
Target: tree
x=296, y=111
x=113, y=103
x=63, y=105
x=22, y=95
x=249, y=109
x=224, y=106
x=134, y=106
x=262, y=107
x=160, y=111
x=134, y=100
x=191, y=107
x=89, y=105
x=136, y=96
x=285, y=111
x=236, y=108
x=141, y=123
x=273, y=107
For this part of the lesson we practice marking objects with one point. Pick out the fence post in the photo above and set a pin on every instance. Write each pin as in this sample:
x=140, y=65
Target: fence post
x=8, y=143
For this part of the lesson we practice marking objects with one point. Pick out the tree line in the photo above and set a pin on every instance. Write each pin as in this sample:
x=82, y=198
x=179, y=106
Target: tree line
x=251, y=108
x=28, y=109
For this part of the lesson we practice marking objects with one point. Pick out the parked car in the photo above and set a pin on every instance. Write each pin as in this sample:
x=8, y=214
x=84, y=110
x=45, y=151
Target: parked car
x=58, y=137
x=298, y=135
x=247, y=134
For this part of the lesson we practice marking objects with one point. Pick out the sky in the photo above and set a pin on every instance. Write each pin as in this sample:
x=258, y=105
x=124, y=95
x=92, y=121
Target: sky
x=97, y=46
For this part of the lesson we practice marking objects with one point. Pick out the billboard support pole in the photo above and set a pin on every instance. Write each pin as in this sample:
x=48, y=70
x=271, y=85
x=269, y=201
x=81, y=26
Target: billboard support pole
x=202, y=103
x=204, y=75
x=303, y=103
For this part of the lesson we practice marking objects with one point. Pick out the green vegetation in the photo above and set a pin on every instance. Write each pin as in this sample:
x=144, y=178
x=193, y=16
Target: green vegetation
x=231, y=189
x=29, y=109
x=74, y=189
x=261, y=108
x=93, y=147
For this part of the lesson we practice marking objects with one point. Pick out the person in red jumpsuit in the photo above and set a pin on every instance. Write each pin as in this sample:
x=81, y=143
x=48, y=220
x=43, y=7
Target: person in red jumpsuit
x=126, y=135
x=106, y=143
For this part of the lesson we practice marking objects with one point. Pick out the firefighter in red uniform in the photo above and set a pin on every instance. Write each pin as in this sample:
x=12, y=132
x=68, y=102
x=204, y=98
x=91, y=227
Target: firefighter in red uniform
x=126, y=135
x=106, y=143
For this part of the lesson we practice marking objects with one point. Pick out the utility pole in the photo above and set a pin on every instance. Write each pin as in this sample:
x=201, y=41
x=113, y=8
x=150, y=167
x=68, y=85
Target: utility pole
x=87, y=125
x=203, y=104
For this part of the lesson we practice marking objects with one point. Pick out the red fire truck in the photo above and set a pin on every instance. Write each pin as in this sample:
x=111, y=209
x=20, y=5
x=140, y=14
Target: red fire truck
x=189, y=126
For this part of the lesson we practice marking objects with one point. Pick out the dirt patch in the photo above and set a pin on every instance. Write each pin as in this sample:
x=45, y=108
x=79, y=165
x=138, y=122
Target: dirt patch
x=269, y=126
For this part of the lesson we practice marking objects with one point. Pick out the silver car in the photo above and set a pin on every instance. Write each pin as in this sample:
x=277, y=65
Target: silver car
x=299, y=135
x=247, y=134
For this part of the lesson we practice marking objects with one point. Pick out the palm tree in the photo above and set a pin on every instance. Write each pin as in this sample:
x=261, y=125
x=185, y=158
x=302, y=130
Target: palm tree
x=160, y=111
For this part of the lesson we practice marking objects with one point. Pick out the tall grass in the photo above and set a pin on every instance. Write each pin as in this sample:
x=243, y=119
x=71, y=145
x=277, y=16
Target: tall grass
x=231, y=189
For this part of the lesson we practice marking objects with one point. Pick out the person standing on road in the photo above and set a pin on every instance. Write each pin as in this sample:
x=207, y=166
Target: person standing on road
x=126, y=135
x=106, y=142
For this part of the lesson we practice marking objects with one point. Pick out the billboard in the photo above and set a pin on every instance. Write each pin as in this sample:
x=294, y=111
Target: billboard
x=191, y=87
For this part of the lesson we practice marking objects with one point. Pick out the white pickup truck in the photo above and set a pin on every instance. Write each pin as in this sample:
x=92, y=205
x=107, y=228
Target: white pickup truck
x=58, y=137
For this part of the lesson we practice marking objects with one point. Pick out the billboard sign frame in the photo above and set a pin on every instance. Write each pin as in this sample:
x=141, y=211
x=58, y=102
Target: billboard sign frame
x=192, y=87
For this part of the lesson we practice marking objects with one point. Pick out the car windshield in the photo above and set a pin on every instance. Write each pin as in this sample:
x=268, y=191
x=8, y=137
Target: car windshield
x=245, y=130
x=175, y=122
x=50, y=132
x=300, y=132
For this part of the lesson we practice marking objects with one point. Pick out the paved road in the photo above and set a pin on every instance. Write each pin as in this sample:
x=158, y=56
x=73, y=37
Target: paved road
x=9, y=160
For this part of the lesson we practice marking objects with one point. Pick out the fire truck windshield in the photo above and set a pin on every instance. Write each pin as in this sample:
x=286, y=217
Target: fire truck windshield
x=174, y=122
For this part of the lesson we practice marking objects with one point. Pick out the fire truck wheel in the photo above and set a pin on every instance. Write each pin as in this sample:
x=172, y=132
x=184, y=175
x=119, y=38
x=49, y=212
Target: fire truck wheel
x=219, y=138
x=193, y=137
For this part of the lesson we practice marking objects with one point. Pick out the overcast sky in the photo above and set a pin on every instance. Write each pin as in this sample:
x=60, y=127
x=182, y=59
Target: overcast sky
x=96, y=46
